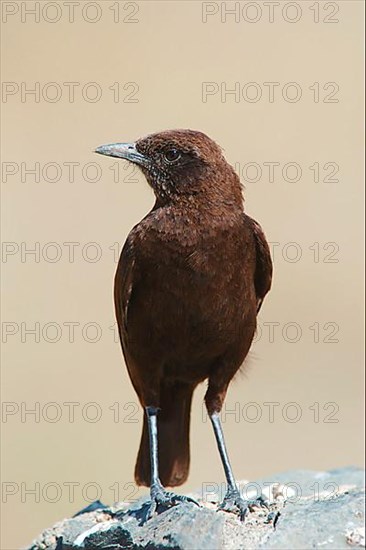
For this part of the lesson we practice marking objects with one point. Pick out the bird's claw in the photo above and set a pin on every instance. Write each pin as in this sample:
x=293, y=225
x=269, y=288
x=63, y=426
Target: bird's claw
x=162, y=500
x=260, y=502
x=235, y=504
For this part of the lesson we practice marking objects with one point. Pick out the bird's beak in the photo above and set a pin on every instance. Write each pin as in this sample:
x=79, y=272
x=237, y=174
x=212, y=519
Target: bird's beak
x=125, y=151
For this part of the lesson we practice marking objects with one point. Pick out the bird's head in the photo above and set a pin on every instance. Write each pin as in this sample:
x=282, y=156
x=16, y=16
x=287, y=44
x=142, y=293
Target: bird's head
x=180, y=163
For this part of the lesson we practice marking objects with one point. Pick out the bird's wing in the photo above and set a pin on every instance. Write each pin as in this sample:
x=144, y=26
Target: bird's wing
x=263, y=267
x=123, y=284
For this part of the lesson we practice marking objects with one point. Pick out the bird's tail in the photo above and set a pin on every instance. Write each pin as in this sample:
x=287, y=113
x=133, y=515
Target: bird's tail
x=173, y=438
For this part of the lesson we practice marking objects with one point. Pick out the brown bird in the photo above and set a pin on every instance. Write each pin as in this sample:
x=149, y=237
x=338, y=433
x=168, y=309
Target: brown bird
x=190, y=281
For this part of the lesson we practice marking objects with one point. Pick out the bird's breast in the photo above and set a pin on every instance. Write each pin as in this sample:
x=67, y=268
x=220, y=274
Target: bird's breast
x=202, y=286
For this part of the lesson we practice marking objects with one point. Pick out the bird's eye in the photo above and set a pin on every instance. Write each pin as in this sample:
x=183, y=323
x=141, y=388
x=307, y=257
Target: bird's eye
x=172, y=155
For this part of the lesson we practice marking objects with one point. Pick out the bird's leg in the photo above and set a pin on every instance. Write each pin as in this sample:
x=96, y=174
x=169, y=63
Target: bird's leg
x=232, y=502
x=156, y=486
x=159, y=496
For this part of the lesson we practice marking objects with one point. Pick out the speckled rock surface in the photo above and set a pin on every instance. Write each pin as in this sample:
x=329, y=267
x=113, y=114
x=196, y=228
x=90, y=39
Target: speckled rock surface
x=307, y=510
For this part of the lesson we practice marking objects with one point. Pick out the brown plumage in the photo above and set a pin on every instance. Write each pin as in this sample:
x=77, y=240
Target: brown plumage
x=190, y=281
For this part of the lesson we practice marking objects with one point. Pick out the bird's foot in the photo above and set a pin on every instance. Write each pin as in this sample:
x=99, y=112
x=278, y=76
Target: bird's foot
x=161, y=500
x=235, y=504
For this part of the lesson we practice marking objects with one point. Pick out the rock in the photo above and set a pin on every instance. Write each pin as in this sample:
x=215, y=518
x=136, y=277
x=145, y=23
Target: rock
x=356, y=537
x=307, y=510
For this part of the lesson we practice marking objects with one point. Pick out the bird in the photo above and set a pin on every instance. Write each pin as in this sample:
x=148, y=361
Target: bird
x=190, y=282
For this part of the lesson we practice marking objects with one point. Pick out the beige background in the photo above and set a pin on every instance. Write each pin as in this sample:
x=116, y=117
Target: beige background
x=169, y=52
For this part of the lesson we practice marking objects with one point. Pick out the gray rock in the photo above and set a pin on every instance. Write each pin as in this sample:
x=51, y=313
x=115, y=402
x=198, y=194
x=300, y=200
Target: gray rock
x=307, y=510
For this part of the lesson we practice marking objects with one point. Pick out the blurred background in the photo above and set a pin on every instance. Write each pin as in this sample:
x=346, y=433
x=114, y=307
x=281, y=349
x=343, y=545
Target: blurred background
x=279, y=86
